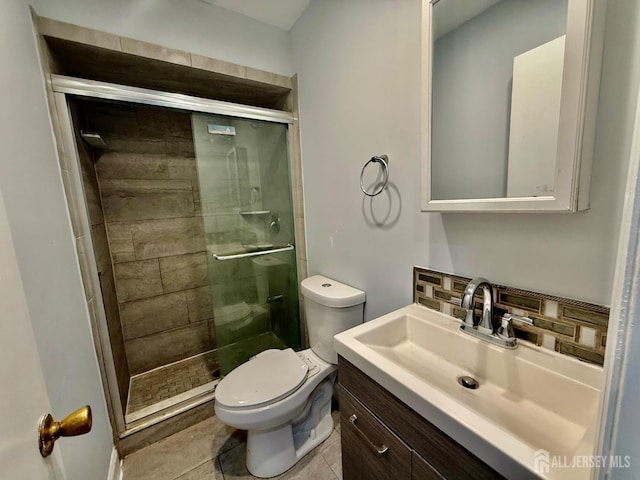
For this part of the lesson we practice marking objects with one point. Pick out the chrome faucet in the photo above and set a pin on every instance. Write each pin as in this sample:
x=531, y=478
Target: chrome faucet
x=499, y=332
x=486, y=320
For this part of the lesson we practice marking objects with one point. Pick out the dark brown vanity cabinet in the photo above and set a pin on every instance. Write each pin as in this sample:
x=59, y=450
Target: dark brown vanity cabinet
x=384, y=439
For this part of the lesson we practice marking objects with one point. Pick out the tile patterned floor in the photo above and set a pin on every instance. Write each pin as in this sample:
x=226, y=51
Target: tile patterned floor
x=211, y=450
x=165, y=382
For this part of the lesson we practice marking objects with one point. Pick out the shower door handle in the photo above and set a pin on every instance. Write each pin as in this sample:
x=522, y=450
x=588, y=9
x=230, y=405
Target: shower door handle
x=252, y=254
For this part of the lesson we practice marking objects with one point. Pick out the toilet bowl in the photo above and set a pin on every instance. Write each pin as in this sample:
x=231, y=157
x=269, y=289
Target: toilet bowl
x=283, y=398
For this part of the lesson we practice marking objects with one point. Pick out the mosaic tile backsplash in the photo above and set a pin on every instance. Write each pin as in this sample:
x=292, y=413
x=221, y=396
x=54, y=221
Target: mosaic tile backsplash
x=567, y=326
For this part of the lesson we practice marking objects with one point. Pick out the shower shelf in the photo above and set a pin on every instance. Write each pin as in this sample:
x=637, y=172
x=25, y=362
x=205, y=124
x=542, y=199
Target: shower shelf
x=256, y=212
x=253, y=254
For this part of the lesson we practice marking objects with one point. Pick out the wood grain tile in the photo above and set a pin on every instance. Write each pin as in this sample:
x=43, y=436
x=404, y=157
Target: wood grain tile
x=331, y=451
x=101, y=246
x=82, y=248
x=163, y=238
x=114, y=328
x=157, y=52
x=135, y=280
x=152, y=351
x=209, y=470
x=184, y=272
x=75, y=33
x=180, y=453
x=183, y=168
x=120, y=242
x=153, y=315
x=227, y=457
x=118, y=165
x=200, y=304
x=130, y=200
x=218, y=66
x=268, y=77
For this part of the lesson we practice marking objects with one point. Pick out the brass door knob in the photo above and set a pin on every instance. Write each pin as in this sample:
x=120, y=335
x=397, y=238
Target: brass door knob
x=76, y=423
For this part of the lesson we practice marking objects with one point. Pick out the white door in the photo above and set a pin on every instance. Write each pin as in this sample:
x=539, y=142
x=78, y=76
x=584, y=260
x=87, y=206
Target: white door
x=23, y=395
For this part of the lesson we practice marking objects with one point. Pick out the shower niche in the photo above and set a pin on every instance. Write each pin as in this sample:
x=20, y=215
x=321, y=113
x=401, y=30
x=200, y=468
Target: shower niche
x=192, y=229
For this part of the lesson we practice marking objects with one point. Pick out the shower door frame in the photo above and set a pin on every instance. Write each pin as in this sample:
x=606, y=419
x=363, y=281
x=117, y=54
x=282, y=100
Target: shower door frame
x=65, y=88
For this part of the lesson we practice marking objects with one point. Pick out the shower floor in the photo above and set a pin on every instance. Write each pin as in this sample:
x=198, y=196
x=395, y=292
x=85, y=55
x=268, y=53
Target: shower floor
x=169, y=381
x=163, y=387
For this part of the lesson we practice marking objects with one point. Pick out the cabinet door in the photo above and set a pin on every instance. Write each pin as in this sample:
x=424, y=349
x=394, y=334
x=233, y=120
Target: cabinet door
x=447, y=456
x=422, y=470
x=369, y=449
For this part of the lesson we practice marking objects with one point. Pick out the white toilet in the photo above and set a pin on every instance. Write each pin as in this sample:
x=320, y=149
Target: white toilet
x=282, y=397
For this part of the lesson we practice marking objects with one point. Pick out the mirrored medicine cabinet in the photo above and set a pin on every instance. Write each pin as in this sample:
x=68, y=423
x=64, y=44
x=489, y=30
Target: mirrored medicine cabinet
x=509, y=98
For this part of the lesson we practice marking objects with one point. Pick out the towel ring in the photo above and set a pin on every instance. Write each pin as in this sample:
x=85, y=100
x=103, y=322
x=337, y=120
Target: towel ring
x=383, y=160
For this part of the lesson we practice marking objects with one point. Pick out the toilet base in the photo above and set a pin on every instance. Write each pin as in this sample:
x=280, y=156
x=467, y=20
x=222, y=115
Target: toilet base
x=274, y=451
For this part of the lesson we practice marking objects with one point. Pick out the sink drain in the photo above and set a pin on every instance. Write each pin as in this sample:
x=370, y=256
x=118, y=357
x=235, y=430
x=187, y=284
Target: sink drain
x=468, y=382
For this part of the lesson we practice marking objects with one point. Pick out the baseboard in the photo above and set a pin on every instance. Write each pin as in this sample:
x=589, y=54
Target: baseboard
x=115, y=466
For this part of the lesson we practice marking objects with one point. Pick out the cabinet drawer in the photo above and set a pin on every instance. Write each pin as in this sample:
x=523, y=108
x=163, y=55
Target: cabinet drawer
x=422, y=470
x=364, y=440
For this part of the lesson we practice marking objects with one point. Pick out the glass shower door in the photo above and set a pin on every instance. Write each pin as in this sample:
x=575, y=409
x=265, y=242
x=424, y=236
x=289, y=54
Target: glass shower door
x=245, y=197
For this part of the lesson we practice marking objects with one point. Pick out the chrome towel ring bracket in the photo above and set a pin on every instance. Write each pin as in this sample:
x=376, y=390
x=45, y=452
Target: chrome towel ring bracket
x=383, y=160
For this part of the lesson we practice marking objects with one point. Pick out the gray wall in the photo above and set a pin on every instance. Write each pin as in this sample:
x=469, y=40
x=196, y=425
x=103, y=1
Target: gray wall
x=472, y=74
x=31, y=184
x=191, y=25
x=360, y=96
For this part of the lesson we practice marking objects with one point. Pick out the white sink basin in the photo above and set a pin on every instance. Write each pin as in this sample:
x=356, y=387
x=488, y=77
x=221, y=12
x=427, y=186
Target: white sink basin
x=529, y=398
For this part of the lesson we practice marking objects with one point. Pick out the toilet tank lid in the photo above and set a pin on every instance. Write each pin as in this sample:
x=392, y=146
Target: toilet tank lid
x=331, y=293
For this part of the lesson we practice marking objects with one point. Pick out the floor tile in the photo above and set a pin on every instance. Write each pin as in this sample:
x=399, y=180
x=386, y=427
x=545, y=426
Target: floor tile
x=336, y=420
x=212, y=451
x=180, y=453
x=332, y=453
x=311, y=467
x=209, y=470
x=233, y=464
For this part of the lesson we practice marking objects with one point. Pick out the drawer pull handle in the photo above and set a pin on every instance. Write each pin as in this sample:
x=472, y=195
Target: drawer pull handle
x=381, y=450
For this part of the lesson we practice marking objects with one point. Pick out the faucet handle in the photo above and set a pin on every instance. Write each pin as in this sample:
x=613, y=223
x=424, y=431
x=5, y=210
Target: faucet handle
x=506, y=327
x=517, y=318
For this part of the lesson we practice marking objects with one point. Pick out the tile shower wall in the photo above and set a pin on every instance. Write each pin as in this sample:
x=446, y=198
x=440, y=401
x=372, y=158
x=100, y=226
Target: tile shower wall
x=567, y=326
x=149, y=191
x=103, y=260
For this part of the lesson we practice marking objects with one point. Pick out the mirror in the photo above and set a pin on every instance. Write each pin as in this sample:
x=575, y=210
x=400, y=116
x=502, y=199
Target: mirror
x=509, y=99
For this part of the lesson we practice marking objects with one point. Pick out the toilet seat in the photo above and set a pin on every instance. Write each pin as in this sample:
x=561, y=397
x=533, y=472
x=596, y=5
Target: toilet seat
x=267, y=378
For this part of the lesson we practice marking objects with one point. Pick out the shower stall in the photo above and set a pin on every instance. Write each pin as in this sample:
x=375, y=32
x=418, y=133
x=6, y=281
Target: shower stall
x=189, y=203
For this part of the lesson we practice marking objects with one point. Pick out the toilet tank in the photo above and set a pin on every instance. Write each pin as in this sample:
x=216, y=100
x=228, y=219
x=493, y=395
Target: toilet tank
x=330, y=308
